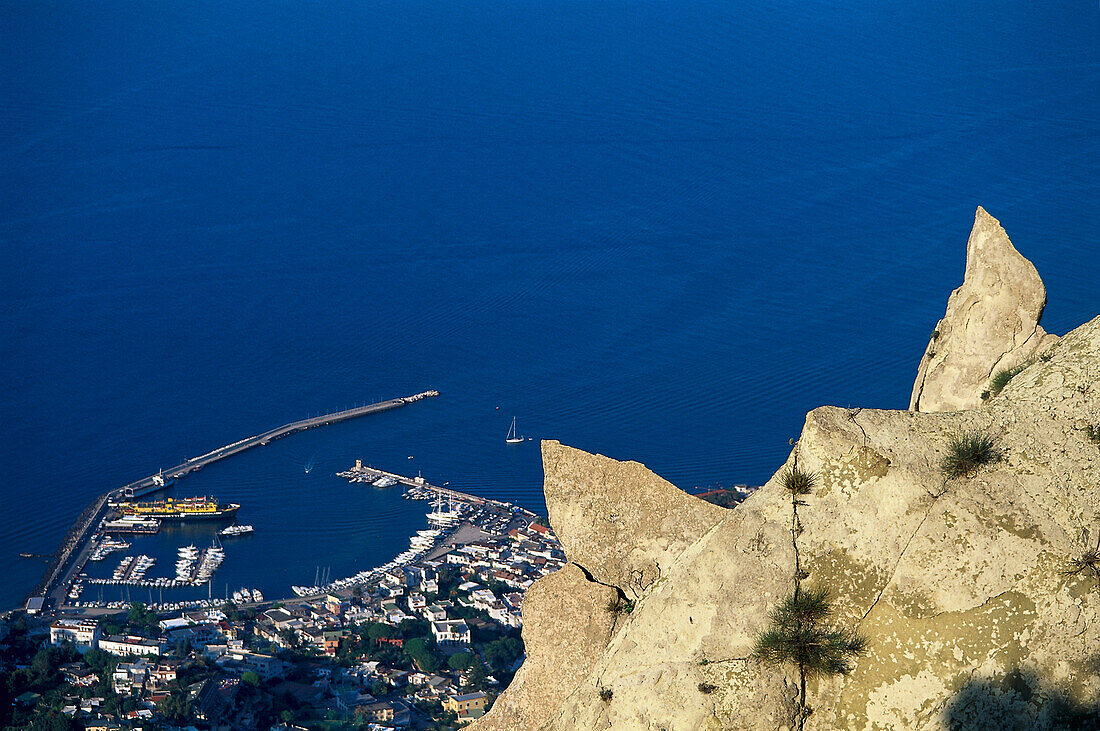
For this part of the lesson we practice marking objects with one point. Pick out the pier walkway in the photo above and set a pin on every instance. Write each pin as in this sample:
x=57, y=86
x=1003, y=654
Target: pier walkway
x=374, y=473
x=75, y=543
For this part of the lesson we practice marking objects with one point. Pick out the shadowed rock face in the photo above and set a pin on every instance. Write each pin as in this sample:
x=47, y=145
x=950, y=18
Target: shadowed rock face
x=992, y=323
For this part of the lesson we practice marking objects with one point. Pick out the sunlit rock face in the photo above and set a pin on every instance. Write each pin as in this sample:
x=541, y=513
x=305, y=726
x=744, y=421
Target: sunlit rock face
x=564, y=634
x=964, y=587
x=992, y=322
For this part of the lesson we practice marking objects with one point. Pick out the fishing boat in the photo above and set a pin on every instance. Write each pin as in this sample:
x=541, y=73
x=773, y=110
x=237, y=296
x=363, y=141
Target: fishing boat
x=512, y=438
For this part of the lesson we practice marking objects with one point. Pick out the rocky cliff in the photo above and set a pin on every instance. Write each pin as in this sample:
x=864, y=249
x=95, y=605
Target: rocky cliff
x=992, y=323
x=964, y=586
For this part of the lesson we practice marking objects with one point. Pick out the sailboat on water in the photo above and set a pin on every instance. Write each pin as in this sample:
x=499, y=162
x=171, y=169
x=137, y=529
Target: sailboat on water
x=512, y=437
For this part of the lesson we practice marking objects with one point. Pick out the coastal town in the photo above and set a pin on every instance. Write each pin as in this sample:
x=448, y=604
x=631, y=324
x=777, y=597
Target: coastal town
x=426, y=641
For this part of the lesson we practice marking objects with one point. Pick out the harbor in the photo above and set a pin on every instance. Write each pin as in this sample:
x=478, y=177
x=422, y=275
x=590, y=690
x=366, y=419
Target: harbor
x=455, y=519
x=87, y=531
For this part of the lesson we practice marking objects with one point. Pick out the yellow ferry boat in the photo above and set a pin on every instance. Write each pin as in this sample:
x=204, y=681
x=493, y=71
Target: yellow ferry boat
x=189, y=508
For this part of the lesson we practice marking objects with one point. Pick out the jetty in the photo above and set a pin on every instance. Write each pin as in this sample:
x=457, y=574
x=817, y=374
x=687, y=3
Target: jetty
x=75, y=547
x=421, y=489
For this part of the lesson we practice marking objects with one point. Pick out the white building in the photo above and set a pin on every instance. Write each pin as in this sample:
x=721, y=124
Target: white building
x=130, y=645
x=83, y=633
x=451, y=632
x=500, y=613
x=130, y=676
x=483, y=598
x=434, y=612
x=266, y=666
x=393, y=613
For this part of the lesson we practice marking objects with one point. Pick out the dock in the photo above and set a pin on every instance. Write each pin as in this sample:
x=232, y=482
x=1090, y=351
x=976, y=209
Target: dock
x=74, y=548
x=419, y=483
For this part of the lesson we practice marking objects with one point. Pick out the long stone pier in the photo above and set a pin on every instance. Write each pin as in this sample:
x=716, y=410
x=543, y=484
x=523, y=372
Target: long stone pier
x=372, y=473
x=74, y=545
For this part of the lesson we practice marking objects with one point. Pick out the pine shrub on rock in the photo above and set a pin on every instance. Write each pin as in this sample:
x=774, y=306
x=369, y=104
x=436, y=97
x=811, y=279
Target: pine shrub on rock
x=799, y=482
x=969, y=450
x=800, y=635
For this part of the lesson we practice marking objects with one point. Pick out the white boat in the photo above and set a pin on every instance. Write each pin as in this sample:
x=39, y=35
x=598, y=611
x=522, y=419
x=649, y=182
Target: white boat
x=512, y=438
x=441, y=517
x=257, y=596
x=236, y=530
x=384, y=481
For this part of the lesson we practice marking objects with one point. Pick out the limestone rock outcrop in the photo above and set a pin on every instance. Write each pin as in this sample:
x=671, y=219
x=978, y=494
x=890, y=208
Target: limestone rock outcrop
x=963, y=586
x=992, y=323
x=617, y=520
x=563, y=639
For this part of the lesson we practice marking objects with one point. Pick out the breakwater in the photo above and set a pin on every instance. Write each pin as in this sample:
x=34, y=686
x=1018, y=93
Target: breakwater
x=73, y=550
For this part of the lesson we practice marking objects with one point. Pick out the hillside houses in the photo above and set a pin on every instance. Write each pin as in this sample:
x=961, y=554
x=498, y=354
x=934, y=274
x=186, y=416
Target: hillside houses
x=439, y=630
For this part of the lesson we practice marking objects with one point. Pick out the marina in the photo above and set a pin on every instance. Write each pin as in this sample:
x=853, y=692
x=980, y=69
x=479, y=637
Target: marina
x=451, y=512
x=89, y=529
x=454, y=518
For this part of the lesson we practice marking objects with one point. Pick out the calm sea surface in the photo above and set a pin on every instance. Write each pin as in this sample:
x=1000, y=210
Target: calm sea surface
x=661, y=231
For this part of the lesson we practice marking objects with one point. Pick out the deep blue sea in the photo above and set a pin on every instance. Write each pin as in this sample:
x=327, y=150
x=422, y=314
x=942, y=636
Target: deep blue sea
x=661, y=231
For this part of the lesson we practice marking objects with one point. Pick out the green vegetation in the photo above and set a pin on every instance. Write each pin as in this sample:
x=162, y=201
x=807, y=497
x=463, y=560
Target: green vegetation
x=799, y=482
x=421, y=650
x=967, y=451
x=449, y=579
x=1093, y=433
x=707, y=688
x=176, y=708
x=142, y=620
x=414, y=627
x=799, y=635
x=477, y=678
x=379, y=631
x=606, y=694
x=460, y=661
x=501, y=653
x=31, y=681
x=1001, y=378
x=290, y=637
x=1087, y=563
x=619, y=605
